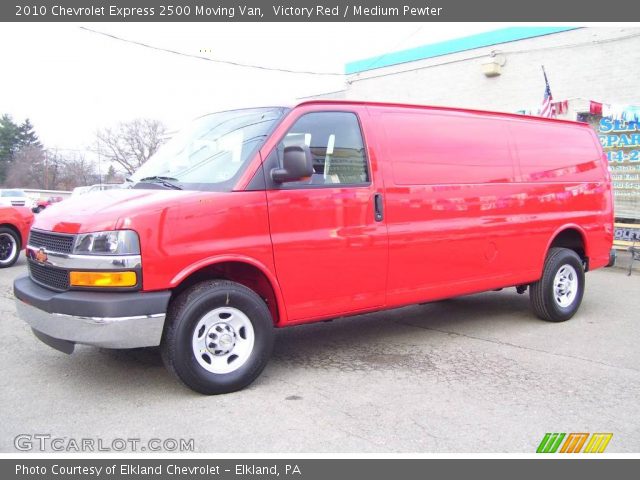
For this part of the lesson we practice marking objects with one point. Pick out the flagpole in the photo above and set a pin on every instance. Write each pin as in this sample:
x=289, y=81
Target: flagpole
x=544, y=72
x=547, y=109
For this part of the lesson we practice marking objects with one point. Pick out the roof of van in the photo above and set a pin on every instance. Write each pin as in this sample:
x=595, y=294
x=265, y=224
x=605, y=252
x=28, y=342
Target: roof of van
x=441, y=108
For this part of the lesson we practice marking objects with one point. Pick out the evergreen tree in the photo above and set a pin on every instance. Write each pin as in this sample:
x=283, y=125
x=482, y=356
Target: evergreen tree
x=111, y=174
x=9, y=136
x=13, y=138
x=27, y=136
x=9, y=142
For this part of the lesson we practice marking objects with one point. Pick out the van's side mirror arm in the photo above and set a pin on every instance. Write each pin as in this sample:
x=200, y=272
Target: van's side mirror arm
x=297, y=164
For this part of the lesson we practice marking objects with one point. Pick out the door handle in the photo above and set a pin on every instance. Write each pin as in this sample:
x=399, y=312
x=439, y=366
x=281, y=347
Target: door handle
x=378, y=207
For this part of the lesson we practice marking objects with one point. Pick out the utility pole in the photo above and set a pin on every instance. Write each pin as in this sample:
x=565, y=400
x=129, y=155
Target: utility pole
x=44, y=172
x=99, y=166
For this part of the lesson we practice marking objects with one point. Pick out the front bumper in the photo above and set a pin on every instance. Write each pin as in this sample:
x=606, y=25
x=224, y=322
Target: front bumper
x=103, y=319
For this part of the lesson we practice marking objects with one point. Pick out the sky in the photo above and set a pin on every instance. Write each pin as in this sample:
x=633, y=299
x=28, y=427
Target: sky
x=71, y=82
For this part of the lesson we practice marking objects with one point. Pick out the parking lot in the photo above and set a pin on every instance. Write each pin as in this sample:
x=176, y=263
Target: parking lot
x=472, y=374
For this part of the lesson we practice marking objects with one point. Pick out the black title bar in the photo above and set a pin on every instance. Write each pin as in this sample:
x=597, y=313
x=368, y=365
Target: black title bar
x=318, y=11
x=292, y=469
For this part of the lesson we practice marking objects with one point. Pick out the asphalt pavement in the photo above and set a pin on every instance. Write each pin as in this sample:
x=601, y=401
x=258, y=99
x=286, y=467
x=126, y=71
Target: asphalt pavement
x=478, y=373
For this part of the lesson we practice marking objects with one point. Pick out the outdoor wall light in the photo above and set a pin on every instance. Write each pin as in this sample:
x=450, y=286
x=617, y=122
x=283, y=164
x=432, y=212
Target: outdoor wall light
x=492, y=67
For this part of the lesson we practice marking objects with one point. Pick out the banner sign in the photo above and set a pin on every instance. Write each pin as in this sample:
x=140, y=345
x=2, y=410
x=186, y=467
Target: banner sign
x=621, y=142
x=626, y=234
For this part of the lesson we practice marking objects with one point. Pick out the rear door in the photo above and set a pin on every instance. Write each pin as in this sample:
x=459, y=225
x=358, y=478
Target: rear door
x=330, y=247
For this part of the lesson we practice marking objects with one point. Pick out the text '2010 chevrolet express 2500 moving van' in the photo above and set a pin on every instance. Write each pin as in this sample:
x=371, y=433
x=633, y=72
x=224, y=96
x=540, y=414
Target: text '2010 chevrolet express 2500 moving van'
x=268, y=217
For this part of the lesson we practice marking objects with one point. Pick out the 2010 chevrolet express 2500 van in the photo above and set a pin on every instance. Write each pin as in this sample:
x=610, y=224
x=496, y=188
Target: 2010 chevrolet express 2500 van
x=268, y=217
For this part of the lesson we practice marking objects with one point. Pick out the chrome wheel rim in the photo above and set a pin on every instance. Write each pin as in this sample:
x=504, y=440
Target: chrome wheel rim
x=8, y=248
x=565, y=285
x=223, y=340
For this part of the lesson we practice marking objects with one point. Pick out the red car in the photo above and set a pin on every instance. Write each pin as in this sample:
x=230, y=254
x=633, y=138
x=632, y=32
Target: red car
x=43, y=203
x=14, y=229
x=269, y=217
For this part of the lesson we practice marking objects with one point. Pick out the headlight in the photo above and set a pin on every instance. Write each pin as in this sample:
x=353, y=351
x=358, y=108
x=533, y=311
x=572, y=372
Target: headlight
x=118, y=242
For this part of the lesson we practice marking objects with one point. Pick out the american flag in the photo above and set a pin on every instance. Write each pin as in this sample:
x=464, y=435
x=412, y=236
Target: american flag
x=547, y=109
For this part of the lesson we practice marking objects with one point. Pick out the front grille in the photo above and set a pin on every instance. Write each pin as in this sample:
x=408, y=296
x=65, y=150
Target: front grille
x=52, y=277
x=54, y=242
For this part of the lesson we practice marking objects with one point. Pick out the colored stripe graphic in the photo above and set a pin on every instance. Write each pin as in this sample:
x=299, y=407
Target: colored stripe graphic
x=485, y=39
x=550, y=442
x=598, y=442
x=574, y=443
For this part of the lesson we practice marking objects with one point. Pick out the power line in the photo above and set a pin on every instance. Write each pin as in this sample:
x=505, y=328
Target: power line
x=396, y=46
x=208, y=59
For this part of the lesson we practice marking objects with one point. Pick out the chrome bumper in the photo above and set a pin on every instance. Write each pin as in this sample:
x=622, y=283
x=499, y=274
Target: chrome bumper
x=108, y=332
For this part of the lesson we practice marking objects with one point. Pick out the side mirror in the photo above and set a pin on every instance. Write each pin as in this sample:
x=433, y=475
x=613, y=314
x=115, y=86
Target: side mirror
x=297, y=163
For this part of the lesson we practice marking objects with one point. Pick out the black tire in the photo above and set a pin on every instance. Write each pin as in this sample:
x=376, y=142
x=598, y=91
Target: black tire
x=9, y=247
x=188, y=310
x=542, y=293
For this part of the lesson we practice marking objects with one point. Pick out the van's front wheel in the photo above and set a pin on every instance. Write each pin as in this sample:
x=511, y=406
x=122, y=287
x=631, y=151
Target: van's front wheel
x=218, y=337
x=556, y=297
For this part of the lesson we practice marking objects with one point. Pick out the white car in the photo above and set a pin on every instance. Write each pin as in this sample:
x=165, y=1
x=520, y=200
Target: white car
x=104, y=186
x=96, y=188
x=14, y=197
x=79, y=191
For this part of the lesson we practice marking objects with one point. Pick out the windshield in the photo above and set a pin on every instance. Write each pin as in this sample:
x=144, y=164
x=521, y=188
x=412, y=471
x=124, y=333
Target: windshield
x=212, y=152
x=12, y=193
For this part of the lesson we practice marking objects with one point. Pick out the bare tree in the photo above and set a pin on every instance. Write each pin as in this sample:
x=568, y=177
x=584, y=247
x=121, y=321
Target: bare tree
x=33, y=167
x=76, y=171
x=130, y=144
x=27, y=169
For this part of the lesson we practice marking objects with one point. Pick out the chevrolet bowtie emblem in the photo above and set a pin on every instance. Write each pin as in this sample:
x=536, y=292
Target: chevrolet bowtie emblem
x=41, y=256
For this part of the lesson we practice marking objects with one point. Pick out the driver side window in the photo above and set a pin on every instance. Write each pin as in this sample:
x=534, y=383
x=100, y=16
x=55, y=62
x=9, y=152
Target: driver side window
x=336, y=145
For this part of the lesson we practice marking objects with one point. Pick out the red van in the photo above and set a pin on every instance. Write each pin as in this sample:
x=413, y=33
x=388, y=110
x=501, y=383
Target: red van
x=269, y=217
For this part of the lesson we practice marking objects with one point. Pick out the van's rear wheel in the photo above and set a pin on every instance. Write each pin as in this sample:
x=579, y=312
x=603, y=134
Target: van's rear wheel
x=556, y=297
x=218, y=337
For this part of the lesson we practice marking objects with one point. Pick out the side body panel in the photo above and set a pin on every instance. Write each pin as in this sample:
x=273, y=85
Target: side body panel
x=568, y=185
x=465, y=216
x=201, y=230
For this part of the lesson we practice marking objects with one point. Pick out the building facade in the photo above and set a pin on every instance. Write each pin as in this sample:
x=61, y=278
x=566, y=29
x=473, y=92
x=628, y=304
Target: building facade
x=593, y=73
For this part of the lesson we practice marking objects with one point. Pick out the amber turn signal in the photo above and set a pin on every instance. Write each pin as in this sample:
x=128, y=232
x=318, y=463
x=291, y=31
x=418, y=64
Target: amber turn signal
x=103, y=279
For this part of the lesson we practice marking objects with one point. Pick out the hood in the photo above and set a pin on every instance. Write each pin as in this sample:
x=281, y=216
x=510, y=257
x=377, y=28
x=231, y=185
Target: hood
x=106, y=210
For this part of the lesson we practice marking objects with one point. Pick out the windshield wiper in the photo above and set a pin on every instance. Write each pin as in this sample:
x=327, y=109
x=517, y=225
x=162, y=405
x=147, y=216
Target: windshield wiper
x=164, y=181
